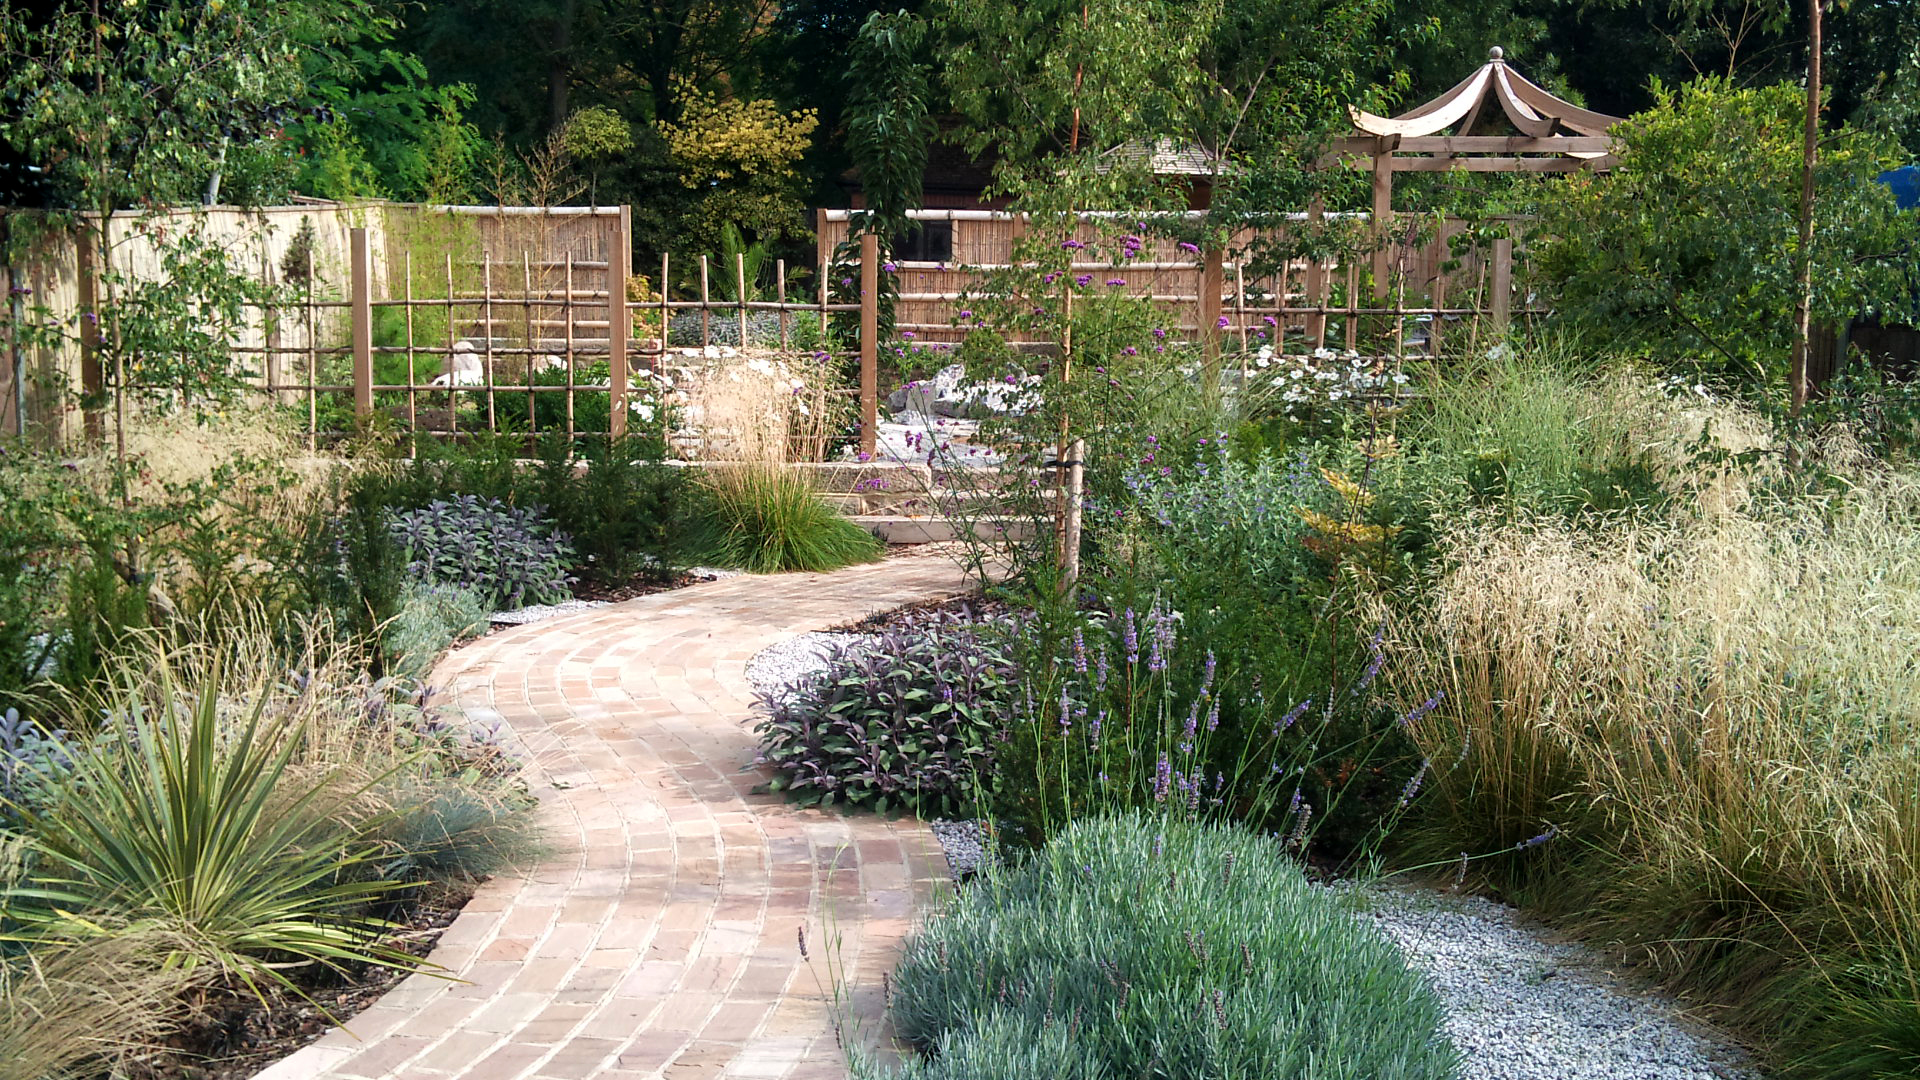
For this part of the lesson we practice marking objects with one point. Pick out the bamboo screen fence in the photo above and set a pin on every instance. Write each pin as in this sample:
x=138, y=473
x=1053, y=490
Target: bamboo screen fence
x=534, y=320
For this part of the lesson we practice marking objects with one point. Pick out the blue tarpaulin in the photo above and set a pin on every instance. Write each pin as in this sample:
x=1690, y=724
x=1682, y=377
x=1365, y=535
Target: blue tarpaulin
x=1905, y=182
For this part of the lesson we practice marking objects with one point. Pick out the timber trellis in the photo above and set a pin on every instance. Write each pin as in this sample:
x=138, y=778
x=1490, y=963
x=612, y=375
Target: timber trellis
x=450, y=319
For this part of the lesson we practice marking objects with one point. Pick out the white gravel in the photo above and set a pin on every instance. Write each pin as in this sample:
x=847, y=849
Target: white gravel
x=775, y=669
x=538, y=612
x=1522, y=1006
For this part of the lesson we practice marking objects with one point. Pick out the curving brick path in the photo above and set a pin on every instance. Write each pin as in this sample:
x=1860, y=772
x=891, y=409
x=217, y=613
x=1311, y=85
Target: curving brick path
x=664, y=943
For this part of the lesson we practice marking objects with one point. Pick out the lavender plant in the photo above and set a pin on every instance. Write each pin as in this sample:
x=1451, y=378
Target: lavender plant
x=511, y=556
x=907, y=719
x=1139, y=946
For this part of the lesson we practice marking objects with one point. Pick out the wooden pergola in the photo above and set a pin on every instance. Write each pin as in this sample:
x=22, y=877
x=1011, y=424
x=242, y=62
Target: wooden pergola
x=1539, y=133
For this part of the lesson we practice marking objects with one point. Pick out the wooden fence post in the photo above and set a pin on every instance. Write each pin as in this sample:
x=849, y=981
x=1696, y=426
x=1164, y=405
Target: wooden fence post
x=1502, y=285
x=91, y=381
x=360, y=272
x=1213, y=278
x=869, y=340
x=1382, y=214
x=619, y=322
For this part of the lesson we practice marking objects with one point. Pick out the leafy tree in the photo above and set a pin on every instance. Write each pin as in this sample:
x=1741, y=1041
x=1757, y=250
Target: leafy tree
x=743, y=155
x=1685, y=252
x=592, y=137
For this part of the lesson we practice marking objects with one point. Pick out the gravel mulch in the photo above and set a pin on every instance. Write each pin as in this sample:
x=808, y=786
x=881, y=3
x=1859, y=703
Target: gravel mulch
x=1524, y=1006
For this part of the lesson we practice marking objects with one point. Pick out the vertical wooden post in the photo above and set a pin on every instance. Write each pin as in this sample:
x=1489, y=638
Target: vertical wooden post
x=822, y=247
x=1382, y=215
x=1212, y=280
x=869, y=341
x=486, y=323
x=619, y=322
x=1502, y=285
x=566, y=307
x=313, y=359
x=1316, y=281
x=92, y=381
x=360, y=272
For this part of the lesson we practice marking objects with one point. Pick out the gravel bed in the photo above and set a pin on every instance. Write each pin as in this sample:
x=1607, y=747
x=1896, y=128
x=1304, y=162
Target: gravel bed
x=537, y=612
x=965, y=843
x=1522, y=1006
x=774, y=669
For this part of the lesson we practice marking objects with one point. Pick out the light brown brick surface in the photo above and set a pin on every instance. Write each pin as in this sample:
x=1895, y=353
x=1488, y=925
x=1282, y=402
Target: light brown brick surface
x=665, y=941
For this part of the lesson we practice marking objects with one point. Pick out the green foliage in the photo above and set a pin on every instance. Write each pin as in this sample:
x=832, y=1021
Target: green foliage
x=195, y=828
x=619, y=504
x=137, y=105
x=1161, y=948
x=508, y=556
x=622, y=508
x=742, y=155
x=904, y=721
x=1685, y=253
x=767, y=520
x=431, y=618
x=888, y=122
x=171, y=337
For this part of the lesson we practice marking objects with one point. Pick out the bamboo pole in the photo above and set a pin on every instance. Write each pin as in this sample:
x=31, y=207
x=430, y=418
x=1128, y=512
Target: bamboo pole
x=486, y=316
x=567, y=329
x=780, y=288
x=740, y=294
x=706, y=316
x=453, y=377
x=406, y=295
x=361, y=291
x=869, y=341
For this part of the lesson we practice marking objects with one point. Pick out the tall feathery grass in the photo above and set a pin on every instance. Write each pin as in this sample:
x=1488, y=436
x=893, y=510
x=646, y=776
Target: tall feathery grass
x=1715, y=713
x=759, y=514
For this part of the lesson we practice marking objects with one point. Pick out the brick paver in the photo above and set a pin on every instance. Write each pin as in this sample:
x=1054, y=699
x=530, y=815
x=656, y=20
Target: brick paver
x=664, y=942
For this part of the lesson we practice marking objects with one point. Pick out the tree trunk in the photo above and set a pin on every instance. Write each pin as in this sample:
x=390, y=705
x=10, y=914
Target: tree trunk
x=1803, y=270
x=560, y=65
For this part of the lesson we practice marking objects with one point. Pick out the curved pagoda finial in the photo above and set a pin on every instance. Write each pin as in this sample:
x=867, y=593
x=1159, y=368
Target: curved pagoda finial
x=1531, y=109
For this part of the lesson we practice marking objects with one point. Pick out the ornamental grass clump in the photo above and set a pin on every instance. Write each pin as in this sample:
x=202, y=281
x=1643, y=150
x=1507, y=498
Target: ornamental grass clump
x=906, y=719
x=1715, y=712
x=1141, y=946
x=758, y=514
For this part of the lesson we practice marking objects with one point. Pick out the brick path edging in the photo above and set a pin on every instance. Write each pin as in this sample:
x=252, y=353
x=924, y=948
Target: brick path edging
x=662, y=945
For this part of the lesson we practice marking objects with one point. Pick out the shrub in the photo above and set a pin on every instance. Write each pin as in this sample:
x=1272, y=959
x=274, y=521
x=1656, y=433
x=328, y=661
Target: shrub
x=903, y=720
x=621, y=507
x=194, y=829
x=1137, y=946
x=431, y=618
x=507, y=556
x=1686, y=250
x=723, y=328
x=32, y=759
x=765, y=519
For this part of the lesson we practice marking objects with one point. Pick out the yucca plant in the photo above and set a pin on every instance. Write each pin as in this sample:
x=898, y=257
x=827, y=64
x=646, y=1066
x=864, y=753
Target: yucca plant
x=186, y=823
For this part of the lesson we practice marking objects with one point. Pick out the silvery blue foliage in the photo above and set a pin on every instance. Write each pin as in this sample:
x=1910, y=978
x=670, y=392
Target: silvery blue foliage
x=510, y=556
x=31, y=757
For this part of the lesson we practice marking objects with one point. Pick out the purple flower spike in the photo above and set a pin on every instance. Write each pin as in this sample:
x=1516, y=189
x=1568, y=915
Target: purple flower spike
x=1191, y=249
x=1130, y=639
x=1116, y=281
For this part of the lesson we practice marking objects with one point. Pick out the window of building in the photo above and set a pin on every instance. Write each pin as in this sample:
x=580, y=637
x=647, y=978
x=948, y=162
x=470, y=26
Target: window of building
x=931, y=242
